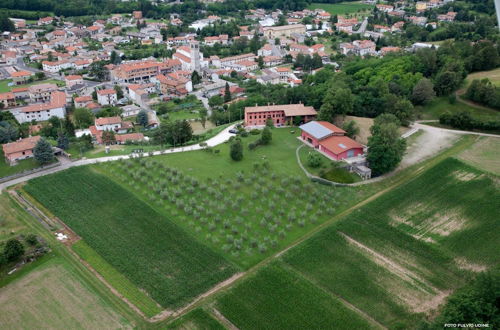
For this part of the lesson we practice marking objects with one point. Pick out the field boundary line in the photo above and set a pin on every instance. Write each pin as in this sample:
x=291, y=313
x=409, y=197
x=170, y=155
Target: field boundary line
x=352, y=307
x=217, y=287
x=222, y=319
x=392, y=266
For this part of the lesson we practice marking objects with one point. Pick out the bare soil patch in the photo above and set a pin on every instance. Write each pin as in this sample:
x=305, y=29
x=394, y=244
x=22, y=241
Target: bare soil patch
x=442, y=224
x=463, y=263
x=428, y=144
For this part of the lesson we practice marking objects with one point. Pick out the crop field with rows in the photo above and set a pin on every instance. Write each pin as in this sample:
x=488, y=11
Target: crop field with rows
x=276, y=298
x=423, y=240
x=145, y=246
x=246, y=217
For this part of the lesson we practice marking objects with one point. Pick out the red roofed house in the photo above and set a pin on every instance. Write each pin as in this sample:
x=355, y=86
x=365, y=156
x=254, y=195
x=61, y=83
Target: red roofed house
x=73, y=80
x=285, y=114
x=43, y=111
x=107, y=96
x=8, y=100
x=82, y=101
x=21, y=149
x=134, y=137
x=330, y=140
x=20, y=77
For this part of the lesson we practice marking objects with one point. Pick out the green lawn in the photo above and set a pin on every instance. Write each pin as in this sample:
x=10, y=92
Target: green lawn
x=145, y=246
x=275, y=298
x=408, y=247
x=241, y=209
x=4, y=87
x=23, y=165
x=328, y=169
x=342, y=8
x=441, y=105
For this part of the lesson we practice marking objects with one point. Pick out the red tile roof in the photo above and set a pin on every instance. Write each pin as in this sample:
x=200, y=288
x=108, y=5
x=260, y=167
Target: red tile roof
x=339, y=144
x=331, y=127
x=21, y=145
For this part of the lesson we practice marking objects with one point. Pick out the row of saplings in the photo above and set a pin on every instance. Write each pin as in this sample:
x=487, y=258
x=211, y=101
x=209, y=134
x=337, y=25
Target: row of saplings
x=22, y=249
x=247, y=212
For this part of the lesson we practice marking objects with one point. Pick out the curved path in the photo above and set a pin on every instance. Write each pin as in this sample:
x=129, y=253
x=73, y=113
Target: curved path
x=220, y=138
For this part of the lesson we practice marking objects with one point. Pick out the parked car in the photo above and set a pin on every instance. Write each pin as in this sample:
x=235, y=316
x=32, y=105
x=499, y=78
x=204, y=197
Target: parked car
x=233, y=131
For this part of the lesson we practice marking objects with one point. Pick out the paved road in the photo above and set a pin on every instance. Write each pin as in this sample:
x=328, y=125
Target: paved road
x=421, y=125
x=363, y=26
x=204, y=100
x=216, y=140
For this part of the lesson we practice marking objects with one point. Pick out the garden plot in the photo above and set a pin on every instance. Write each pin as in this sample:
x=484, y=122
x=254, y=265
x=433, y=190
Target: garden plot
x=246, y=217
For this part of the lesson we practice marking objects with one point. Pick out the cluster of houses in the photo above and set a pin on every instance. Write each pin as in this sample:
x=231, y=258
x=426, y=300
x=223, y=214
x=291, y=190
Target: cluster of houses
x=67, y=51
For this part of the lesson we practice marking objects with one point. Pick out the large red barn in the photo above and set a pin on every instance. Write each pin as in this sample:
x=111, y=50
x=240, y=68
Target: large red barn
x=330, y=139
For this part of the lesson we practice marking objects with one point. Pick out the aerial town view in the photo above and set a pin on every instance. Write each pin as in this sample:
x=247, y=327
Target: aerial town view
x=249, y=164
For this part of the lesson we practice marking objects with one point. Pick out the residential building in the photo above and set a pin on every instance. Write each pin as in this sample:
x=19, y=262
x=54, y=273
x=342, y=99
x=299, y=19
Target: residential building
x=41, y=92
x=141, y=71
x=8, y=100
x=18, y=150
x=285, y=114
x=273, y=32
x=107, y=97
x=82, y=101
x=43, y=111
x=73, y=80
x=20, y=77
x=330, y=140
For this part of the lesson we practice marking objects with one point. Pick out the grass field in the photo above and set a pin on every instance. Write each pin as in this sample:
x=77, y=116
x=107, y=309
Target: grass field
x=405, y=252
x=328, y=169
x=492, y=75
x=441, y=105
x=51, y=296
x=23, y=165
x=148, y=249
x=278, y=299
x=197, y=319
x=342, y=8
x=483, y=155
x=4, y=84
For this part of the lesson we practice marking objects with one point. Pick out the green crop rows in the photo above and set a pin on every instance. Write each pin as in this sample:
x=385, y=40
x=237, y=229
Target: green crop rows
x=388, y=261
x=152, y=252
x=278, y=299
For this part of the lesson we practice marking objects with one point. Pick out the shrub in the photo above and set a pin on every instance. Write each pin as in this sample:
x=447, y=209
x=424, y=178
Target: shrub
x=314, y=159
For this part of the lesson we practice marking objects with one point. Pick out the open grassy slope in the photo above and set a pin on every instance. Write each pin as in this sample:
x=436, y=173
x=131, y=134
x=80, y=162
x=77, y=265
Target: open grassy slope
x=145, y=246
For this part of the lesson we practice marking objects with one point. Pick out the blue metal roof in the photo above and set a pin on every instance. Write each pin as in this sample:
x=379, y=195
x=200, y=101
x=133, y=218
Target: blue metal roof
x=315, y=129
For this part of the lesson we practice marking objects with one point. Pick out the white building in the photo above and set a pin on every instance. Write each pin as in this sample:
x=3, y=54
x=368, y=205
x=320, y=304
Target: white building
x=43, y=111
x=108, y=123
x=107, y=97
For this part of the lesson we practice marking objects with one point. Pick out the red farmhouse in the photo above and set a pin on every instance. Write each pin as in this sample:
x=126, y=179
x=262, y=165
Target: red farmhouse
x=330, y=139
x=280, y=114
